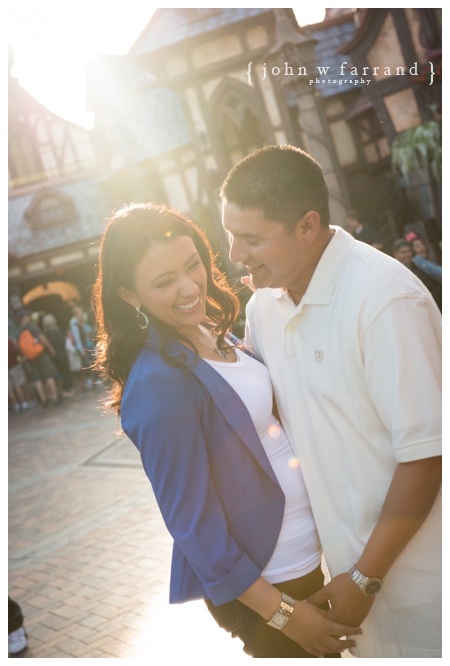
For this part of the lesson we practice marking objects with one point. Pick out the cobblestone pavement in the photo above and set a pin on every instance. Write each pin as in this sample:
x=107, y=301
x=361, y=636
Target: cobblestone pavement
x=89, y=555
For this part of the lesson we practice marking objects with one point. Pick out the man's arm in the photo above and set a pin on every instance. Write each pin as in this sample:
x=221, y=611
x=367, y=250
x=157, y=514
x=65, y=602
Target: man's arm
x=37, y=333
x=45, y=341
x=410, y=498
x=402, y=360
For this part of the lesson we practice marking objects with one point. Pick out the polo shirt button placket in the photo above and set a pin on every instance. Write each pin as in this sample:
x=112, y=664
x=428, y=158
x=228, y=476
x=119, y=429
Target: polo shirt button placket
x=289, y=340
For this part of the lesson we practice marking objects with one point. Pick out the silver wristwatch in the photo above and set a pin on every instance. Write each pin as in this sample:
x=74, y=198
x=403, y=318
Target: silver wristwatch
x=368, y=586
x=283, y=613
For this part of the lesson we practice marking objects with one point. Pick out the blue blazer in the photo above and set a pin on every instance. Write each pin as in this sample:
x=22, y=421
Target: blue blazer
x=215, y=487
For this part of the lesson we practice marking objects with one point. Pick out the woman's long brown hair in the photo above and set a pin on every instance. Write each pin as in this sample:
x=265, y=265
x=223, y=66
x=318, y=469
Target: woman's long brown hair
x=126, y=239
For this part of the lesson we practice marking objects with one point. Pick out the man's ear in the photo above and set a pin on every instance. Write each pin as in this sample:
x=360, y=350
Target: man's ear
x=128, y=296
x=308, y=227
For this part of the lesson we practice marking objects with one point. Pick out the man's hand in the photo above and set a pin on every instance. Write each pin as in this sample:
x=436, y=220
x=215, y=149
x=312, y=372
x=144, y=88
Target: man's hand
x=348, y=604
x=316, y=633
x=308, y=626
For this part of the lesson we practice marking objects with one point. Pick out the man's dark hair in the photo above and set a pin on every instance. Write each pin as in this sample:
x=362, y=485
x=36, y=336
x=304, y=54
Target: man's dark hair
x=282, y=181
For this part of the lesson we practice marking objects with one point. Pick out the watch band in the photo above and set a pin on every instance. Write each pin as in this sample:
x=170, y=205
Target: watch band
x=283, y=613
x=368, y=586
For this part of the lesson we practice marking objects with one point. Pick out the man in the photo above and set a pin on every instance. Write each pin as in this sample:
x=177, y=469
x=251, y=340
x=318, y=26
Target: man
x=352, y=342
x=42, y=368
x=403, y=252
x=363, y=233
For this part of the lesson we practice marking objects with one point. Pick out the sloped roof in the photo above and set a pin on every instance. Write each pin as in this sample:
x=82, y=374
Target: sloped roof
x=143, y=120
x=170, y=26
x=91, y=208
x=331, y=38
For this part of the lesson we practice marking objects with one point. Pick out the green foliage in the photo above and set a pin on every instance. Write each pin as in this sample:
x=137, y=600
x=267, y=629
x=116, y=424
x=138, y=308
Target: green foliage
x=419, y=147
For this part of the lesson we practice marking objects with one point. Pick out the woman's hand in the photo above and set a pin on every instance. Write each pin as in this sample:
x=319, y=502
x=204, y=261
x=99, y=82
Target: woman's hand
x=310, y=628
x=308, y=625
x=247, y=281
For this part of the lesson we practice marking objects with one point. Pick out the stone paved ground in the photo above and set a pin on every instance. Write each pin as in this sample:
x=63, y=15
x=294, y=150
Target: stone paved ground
x=89, y=554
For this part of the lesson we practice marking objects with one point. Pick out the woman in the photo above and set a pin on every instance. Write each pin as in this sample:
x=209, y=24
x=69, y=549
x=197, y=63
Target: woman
x=58, y=342
x=219, y=462
x=420, y=258
x=402, y=251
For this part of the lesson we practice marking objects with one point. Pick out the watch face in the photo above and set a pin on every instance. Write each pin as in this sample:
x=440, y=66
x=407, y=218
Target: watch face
x=372, y=588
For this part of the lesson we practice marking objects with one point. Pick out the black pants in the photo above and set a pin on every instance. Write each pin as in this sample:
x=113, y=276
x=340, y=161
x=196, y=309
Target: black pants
x=15, y=617
x=259, y=639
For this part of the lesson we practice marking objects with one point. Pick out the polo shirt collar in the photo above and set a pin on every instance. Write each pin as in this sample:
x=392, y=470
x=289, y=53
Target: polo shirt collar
x=320, y=289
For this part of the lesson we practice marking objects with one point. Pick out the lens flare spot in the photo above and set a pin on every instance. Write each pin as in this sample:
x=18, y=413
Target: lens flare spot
x=293, y=462
x=168, y=234
x=274, y=431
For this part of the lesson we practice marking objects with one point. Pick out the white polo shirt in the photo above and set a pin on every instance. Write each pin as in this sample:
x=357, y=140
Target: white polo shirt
x=356, y=369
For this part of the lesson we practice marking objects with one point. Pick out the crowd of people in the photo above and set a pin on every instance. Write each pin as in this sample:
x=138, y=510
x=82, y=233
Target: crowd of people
x=411, y=251
x=45, y=364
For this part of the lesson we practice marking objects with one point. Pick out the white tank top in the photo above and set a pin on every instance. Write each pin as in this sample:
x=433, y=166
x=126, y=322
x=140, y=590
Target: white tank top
x=298, y=550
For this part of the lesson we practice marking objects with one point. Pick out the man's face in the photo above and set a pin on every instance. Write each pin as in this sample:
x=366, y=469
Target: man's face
x=272, y=254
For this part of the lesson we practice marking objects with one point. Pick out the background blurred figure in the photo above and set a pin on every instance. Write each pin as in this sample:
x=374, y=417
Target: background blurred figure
x=403, y=252
x=75, y=361
x=17, y=379
x=363, y=233
x=58, y=342
x=36, y=348
x=420, y=257
x=82, y=337
x=17, y=637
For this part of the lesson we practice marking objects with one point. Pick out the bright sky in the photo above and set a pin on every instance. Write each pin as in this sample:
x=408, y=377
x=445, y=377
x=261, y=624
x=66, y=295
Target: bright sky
x=54, y=39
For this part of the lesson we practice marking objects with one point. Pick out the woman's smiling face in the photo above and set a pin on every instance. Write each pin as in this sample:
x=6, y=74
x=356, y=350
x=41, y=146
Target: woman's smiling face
x=170, y=283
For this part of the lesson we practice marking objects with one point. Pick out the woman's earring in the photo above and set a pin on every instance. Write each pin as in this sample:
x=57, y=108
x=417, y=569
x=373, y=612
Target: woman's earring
x=141, y=314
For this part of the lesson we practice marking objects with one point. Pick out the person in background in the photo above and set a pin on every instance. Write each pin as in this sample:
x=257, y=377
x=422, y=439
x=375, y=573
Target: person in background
x=420, y=257
x=12, y=329
x=403, y=252
x=363, y=233
x=41, y=367
x=58, y=342
x=17, y=378
x=75, y=361
x=36, y=317
x=17, y=636
x=81, y=333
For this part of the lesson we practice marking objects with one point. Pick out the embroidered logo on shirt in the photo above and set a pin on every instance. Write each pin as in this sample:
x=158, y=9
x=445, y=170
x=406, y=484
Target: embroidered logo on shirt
x=319, y=355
